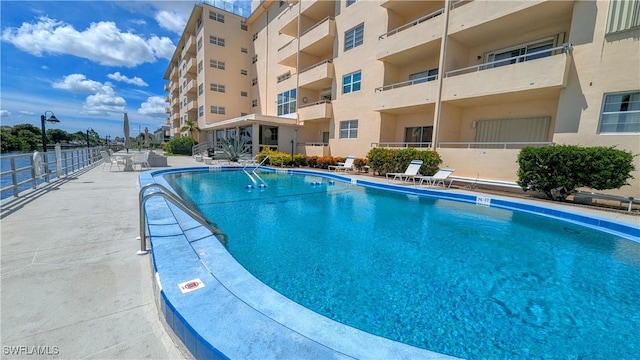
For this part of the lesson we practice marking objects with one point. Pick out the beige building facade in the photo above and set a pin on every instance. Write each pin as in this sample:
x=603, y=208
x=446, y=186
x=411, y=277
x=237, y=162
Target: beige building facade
x=474, y=80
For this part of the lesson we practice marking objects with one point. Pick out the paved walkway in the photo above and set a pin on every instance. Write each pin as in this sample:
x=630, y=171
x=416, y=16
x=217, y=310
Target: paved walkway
x=72, y=286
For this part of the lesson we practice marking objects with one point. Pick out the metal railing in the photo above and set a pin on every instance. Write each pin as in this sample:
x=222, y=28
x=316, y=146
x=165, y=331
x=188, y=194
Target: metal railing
x=412, y=24
x=315, y=144
x=316, y=25
x=327, y=61
x=201, y=148
x=287, y=44
x=172, y=198
x=314, y=103
x=402, y=144
x=19, y=173
x=458, y=3
x=407, y=83
x=491, y=145
x=565, y=48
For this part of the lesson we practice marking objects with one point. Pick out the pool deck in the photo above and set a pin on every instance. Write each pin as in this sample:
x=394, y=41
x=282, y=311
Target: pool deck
x=71, y=284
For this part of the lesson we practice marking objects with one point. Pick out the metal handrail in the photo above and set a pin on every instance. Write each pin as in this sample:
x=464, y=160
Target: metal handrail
x=316, y=25
x=401, y=144
x=566, y=47
x=412, y=24
x=326, y=61
x=407, y=83
x=498, y=145
x=287, y=44
x=315, y=103
x=172, y=198
x=455, y=4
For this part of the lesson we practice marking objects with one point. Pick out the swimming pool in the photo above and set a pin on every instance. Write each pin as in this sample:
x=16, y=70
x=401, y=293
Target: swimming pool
x=464, y=293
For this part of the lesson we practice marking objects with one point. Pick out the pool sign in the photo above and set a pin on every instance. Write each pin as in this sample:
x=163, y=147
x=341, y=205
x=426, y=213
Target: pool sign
x=483, y=201
x=191, y=285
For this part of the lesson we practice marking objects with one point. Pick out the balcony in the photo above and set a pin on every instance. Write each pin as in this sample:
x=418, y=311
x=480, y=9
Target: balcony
x=540, y=77
x=189, y=46
x=320, y=110
x=174, y=73
x=287, y=53
x=189, y=66
x=174, y=88
x=406, y=97
x=481, y=22
x=318, y=76
x=417, y=39
x=318, y=40
x=190, y=87
x=175, y=102
x=167, y=86
x=317, y=9
x=192, y=105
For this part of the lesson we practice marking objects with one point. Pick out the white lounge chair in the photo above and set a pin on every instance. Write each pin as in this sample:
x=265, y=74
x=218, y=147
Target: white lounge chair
x=142, y=159
x=409, y=174
x=347, y=166
x=438, y=178
x=111, y=160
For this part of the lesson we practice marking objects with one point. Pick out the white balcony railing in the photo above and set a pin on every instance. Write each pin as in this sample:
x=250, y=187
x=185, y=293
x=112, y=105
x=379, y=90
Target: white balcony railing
x=412, y=24
x=491, y=145
x=327, y=61
x=407, y=83
x=314, y=103
x=401, y=144
x=565, y=48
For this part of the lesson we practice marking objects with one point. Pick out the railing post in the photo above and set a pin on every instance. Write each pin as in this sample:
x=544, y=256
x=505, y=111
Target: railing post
x=14, y=176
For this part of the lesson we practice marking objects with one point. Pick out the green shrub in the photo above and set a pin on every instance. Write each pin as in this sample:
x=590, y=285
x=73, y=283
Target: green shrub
x=557, y=171
x=299, y=160
x=276, y=158
x=181, y=145
x=384, y=161
x=312, y=161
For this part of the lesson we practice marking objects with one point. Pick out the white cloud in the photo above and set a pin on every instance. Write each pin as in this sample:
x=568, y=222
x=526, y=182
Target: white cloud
x=104, y=101
x=4, y=113
x=119, y=77
x=154, y=106
x=172, y=20
x=78, y=83
x=102, y=42
x=26, y=112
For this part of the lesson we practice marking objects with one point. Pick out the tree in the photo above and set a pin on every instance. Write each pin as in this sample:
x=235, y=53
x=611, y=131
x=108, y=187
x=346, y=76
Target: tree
x=58, y=136
x=191, y=126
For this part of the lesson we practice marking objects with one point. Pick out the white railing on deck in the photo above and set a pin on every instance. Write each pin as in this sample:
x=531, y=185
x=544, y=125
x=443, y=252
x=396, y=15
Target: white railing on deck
x=411, y=24
x=401, y=144
x=491, y=145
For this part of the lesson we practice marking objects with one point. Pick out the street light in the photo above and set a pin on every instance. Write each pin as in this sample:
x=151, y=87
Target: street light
x=51, y=119
x=88, y=130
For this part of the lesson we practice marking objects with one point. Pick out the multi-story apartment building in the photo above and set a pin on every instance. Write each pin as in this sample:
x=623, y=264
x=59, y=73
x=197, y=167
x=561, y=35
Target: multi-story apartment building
x=474, y=80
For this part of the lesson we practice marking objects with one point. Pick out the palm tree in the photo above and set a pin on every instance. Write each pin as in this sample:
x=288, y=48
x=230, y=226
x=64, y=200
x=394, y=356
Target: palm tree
x=191, y=126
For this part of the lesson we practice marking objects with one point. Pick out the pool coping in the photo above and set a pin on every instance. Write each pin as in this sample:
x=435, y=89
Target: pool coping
x=248, y=319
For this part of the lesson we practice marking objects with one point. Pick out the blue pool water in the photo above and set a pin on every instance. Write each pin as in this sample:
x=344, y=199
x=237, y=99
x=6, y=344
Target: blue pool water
x=451, y=277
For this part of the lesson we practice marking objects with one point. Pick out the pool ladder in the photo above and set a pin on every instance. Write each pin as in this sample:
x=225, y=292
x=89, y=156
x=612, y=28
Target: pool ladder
x=172, y=198
x=253, y=180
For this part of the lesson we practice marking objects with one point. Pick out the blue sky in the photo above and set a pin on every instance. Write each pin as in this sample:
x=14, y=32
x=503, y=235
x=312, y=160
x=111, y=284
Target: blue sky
x=88, y=62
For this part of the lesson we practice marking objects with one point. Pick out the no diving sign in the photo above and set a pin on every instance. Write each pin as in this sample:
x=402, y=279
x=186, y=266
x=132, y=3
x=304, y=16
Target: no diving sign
x=191, y=285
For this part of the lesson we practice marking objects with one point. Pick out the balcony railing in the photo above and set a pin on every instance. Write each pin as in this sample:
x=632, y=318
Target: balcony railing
x=316, y=144
x=407, y=83
x=401, y=144
x=412, y=24
x=491, y=145
x=314, y=103
x=285, y=45
x=327, y=61
x=316, y=25
x=458, y=3
x=565, y=48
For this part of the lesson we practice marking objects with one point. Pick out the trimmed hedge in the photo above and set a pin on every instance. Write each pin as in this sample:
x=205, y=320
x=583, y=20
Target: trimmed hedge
x=181, y=145
x=384, y=161
x=557, y=171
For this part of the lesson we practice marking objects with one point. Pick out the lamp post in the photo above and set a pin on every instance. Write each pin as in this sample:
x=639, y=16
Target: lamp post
x=51, y=119
x=107, y=139
x=88, y=144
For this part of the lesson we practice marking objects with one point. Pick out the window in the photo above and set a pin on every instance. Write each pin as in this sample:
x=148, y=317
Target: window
x=217, y=64
x=216, y=40
x=514, y=54
x=200, y=89
x=199, y=43
x=349, y=129
x=254, y=81
x=350, y=2
x=421, y=135
x=287, y=102
x=244, y=50
x=243, y=114
x=353, y=37
x=620, y=113
x=268, y=135
x=200, y=65
x=218, y=110
x=351, y=82
x=243, y=26
x=254, y=103
x=254, y=59
x=424, y=76
x=201, y=111
x=623, y=15
x=217, y=17
x=217, y=88
x=244, y=93
x=243, y=72
x=255, y=36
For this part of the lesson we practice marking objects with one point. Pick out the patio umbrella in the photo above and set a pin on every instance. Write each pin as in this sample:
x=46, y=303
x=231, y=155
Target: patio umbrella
x=127, y=140
x=147, y=138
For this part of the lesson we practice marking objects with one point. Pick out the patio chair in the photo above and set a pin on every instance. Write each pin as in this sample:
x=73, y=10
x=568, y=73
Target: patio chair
x=409, y=174
x=111, y=160
x=346, y=166
x=438, y=178
x=142, y=159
